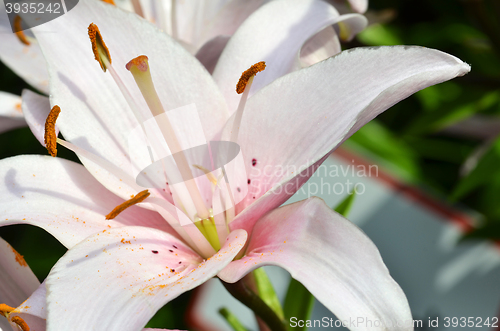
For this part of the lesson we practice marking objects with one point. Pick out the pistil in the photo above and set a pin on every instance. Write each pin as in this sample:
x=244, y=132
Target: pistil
x=139, y=67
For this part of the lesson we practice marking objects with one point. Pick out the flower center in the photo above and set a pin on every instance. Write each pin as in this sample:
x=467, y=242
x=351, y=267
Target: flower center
x=203, y=227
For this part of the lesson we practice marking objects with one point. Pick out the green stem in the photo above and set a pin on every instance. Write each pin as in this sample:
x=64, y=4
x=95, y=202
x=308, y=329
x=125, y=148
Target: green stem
x=241, y=292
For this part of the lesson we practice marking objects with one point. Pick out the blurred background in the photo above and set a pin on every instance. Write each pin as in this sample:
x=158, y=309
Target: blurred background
x=433, y=209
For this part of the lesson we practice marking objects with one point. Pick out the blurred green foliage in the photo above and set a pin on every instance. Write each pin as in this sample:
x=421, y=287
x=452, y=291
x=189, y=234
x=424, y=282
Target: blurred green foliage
x=443, y=138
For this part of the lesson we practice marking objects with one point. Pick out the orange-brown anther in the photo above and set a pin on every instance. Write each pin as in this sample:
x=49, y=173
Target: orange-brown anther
x=50, y=131
x=139, y=197
x=247, y=74
x=5, y=309
x=98, y=45
x=21, y=323
x=141, y=62
x=19, y=31
x=111, y=2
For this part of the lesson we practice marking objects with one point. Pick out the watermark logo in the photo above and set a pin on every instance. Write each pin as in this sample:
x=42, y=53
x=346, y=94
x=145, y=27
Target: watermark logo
x=34, y=13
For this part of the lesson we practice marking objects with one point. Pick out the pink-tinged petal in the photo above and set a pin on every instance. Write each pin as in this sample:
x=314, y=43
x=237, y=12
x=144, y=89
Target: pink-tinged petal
x=61, y=197
x=295, y=122
x=36, y=108
x=11, y=115
x=94, y=114
x=359, y=6
x=320, y=47
x=18, y=281
x=229, y=18
x=331, y=257
x=275, y=34
x=209, y=54
x=26, y=61
x=33, y=311
x=348, y=6
x=123, y=276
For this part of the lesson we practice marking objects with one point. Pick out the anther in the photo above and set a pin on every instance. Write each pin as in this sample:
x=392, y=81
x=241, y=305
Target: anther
x=21, y=323
x=247, y=74
x=5, y=309
x=111, y=2
x=101, y=52
x=19, y=31
x=50, y=131
x=139, y=197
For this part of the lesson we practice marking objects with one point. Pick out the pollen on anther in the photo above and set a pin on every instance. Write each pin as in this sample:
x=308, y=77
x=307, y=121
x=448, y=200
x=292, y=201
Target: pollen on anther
x=19, y=31
x=21, y=323
x=139, y=197
x=111, y=2
x=247, y=74
x=50, y=136
x=98, y=45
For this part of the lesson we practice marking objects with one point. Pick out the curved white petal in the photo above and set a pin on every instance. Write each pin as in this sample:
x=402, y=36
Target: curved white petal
x=61, y=197
x=18, y=281
x=123, y=276
x=26, y=61
x=94, y=114
x=36, y=108
x=331, y=257
x=275, y=34
x=293, y=123
x=11, y=115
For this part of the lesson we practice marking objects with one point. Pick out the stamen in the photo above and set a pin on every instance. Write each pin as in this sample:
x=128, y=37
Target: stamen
x=139, y=197
x=247, y=74
x=111, y=2
x=139, y=68
x=19, y=31
x=101, y=52
x=21, y=323
x=50, y=137
x=244, y=85
x=5, y=309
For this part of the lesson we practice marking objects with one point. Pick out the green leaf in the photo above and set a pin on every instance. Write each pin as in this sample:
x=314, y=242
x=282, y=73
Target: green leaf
x=266, y=291
x=299, y=303
x=482, y=174
x=344, y=207
x=232, y=320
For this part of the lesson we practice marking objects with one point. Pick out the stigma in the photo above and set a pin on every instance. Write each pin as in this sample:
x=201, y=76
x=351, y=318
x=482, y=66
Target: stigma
x=101, y=52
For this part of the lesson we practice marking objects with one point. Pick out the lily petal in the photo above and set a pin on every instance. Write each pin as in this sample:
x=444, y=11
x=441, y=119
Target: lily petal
x=11, y=116
x=127, y=274
x=61, y=197
x=331, y=257
x=296, y=121
x=26, y=61
x=95, y=115
x=36, y=108
x=209, y=54
x=275, y=34
x=18, y=281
